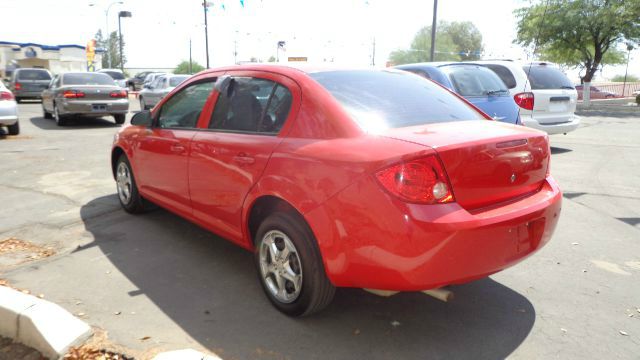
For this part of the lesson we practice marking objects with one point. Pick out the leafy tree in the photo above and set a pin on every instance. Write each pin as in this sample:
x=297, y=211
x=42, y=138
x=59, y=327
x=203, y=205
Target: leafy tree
x=111, y=49
x=272, y=59
x=183, y=68
x=455, y=41
x=630, y=78
x=579, y=33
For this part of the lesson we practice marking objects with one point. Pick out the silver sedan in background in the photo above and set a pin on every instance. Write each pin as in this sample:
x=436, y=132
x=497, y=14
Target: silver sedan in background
x=8, y=111
x=86, y=94
x=158, y=89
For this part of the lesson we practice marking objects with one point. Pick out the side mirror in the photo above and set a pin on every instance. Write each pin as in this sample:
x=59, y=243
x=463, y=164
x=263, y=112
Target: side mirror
x=142, y=118
x=223, y=84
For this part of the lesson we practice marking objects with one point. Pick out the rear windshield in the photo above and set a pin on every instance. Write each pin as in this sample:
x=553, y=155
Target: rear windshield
x=114, y=74
x=546, y=78
x=176, y=80
x=504, y=73
x=87, y=79
x=472, y=80
x=391, y=99
x=33, y=75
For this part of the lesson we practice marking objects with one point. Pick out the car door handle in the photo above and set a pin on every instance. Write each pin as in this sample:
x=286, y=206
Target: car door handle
x=177, y=148
x=244, y=159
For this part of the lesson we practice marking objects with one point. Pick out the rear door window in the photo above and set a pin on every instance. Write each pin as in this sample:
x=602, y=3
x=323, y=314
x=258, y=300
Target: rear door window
x=504, y=74
x=379, y=100
x=252, y=105
x=33, y=75
x=544, y=77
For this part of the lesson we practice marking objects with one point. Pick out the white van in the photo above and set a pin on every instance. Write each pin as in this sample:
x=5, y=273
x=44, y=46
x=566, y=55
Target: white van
x=546, y=97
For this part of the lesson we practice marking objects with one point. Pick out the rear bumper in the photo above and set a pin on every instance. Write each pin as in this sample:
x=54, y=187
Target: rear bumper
x=28, y=94
x=389, y=245
x=561, y=127
x=8, y=120
x=8, y=113
x=86, y=107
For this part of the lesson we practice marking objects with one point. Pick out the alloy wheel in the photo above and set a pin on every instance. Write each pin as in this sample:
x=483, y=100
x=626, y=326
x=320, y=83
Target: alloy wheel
x=123, y=181
x=280, y=266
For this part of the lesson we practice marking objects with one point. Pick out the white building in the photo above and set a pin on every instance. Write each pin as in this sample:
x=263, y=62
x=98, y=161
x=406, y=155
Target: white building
x=56, y=58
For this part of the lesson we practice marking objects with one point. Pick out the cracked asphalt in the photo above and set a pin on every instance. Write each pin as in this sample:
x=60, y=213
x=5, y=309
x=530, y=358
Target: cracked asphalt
x=156, y=282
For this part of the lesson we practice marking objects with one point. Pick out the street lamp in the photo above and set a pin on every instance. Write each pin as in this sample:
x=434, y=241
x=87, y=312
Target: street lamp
x=106, y=16
x=624, y=84
x=121, y=14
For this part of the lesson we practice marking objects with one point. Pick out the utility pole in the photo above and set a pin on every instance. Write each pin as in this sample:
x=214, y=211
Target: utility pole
x=624, y=84
x=433, y=30
x=190, y=61
x=206, y=31
x=121, y=14
x=373, y=53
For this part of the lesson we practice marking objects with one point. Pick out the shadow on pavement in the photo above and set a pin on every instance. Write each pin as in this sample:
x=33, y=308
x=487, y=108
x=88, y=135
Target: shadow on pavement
x=558, y=150
x=209, y=288
x=74, y=123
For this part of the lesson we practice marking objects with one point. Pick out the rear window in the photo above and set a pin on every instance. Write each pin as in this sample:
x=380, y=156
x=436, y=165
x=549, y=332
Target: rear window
x=33, y=75
x=546, y=78
x=177, y=80
x=391, y=99
x=472, y=80
x=87, y=79
x=504, y=73
x=114, y=74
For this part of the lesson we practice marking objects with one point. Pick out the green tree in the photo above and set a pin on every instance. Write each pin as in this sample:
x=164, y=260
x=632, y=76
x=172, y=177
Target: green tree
x=183, y=68
x=630, y=78
x=579, y=33
x=111, y=49
x=455, y=41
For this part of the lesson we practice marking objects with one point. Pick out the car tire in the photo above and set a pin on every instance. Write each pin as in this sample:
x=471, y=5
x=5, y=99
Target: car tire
x=119, y=118
x=143, y=105
x=303, y=264
x=127, y=189
x=61, y=120
x=18, y=100
x=46, y=114
x=14, y=129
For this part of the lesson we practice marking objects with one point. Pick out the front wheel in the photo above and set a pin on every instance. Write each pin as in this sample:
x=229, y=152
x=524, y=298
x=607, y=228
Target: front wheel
x=290, y=266
x=14, y=129
x=119, y=118
x=128, y=194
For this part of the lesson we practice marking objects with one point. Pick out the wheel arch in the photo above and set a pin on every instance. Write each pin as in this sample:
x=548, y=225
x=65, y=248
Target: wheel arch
x=260, y=209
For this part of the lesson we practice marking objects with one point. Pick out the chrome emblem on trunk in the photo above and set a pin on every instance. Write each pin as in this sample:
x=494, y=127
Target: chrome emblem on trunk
x=513, y=178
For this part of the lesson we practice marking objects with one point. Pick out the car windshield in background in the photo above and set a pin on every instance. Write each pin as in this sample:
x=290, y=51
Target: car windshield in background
x=176, y=80
x=115, y=75
x=472, y=80
x=33, y=75
x=379, y=100
x=87, y=79
x=544, y=77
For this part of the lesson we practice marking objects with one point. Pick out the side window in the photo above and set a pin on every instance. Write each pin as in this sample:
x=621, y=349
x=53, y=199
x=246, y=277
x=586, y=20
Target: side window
x=505, y=74
x=252, y=105
x=183, y=109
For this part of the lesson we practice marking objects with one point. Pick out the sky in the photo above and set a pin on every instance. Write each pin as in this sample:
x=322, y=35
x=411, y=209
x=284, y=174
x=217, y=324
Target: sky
x=158, y=33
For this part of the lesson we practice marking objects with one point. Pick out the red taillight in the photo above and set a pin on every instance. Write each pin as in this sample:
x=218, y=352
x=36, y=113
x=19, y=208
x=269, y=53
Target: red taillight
x=18, y=86
x=73, y=94
x=418, y=181
x=5, y=95
x=524, y=100
x=118, y=94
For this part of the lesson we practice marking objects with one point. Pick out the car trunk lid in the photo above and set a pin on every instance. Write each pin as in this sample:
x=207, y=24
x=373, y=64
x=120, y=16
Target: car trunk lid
x=487, y=162
x=94, y=92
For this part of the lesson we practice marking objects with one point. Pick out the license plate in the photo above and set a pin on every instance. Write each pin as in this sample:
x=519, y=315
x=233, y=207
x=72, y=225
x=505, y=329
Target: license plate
x=99, y=107
x=558, y=107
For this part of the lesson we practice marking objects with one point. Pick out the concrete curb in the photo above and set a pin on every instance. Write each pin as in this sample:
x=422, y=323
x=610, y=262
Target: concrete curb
x=40, y=324
x=186, y=354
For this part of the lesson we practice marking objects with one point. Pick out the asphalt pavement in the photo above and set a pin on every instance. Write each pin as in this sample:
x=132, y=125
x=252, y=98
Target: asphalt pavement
x=156, y=282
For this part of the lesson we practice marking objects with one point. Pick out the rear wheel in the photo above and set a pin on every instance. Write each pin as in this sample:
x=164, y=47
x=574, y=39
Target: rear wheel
x=61, y=120
x=119, y=118
x=290, y=266
x=128, y=194
x=14, y=129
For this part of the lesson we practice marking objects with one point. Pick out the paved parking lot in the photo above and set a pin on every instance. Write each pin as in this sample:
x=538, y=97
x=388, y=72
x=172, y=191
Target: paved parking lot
x=156, y=282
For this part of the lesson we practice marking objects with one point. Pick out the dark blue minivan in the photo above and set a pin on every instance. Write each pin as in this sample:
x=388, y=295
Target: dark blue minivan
x=479, y=85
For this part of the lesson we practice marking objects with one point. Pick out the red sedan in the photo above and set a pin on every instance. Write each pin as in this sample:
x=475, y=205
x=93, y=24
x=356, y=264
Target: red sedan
x=373, y=179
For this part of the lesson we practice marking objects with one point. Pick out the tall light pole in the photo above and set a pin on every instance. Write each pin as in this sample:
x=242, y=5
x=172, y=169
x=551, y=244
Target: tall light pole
x=433, y=30
x=206, y=30
x=624, y=84
x=106, y=17
x=121, y=14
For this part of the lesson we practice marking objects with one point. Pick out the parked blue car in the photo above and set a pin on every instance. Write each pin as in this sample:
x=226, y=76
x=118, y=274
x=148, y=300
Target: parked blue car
x=479, y=85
